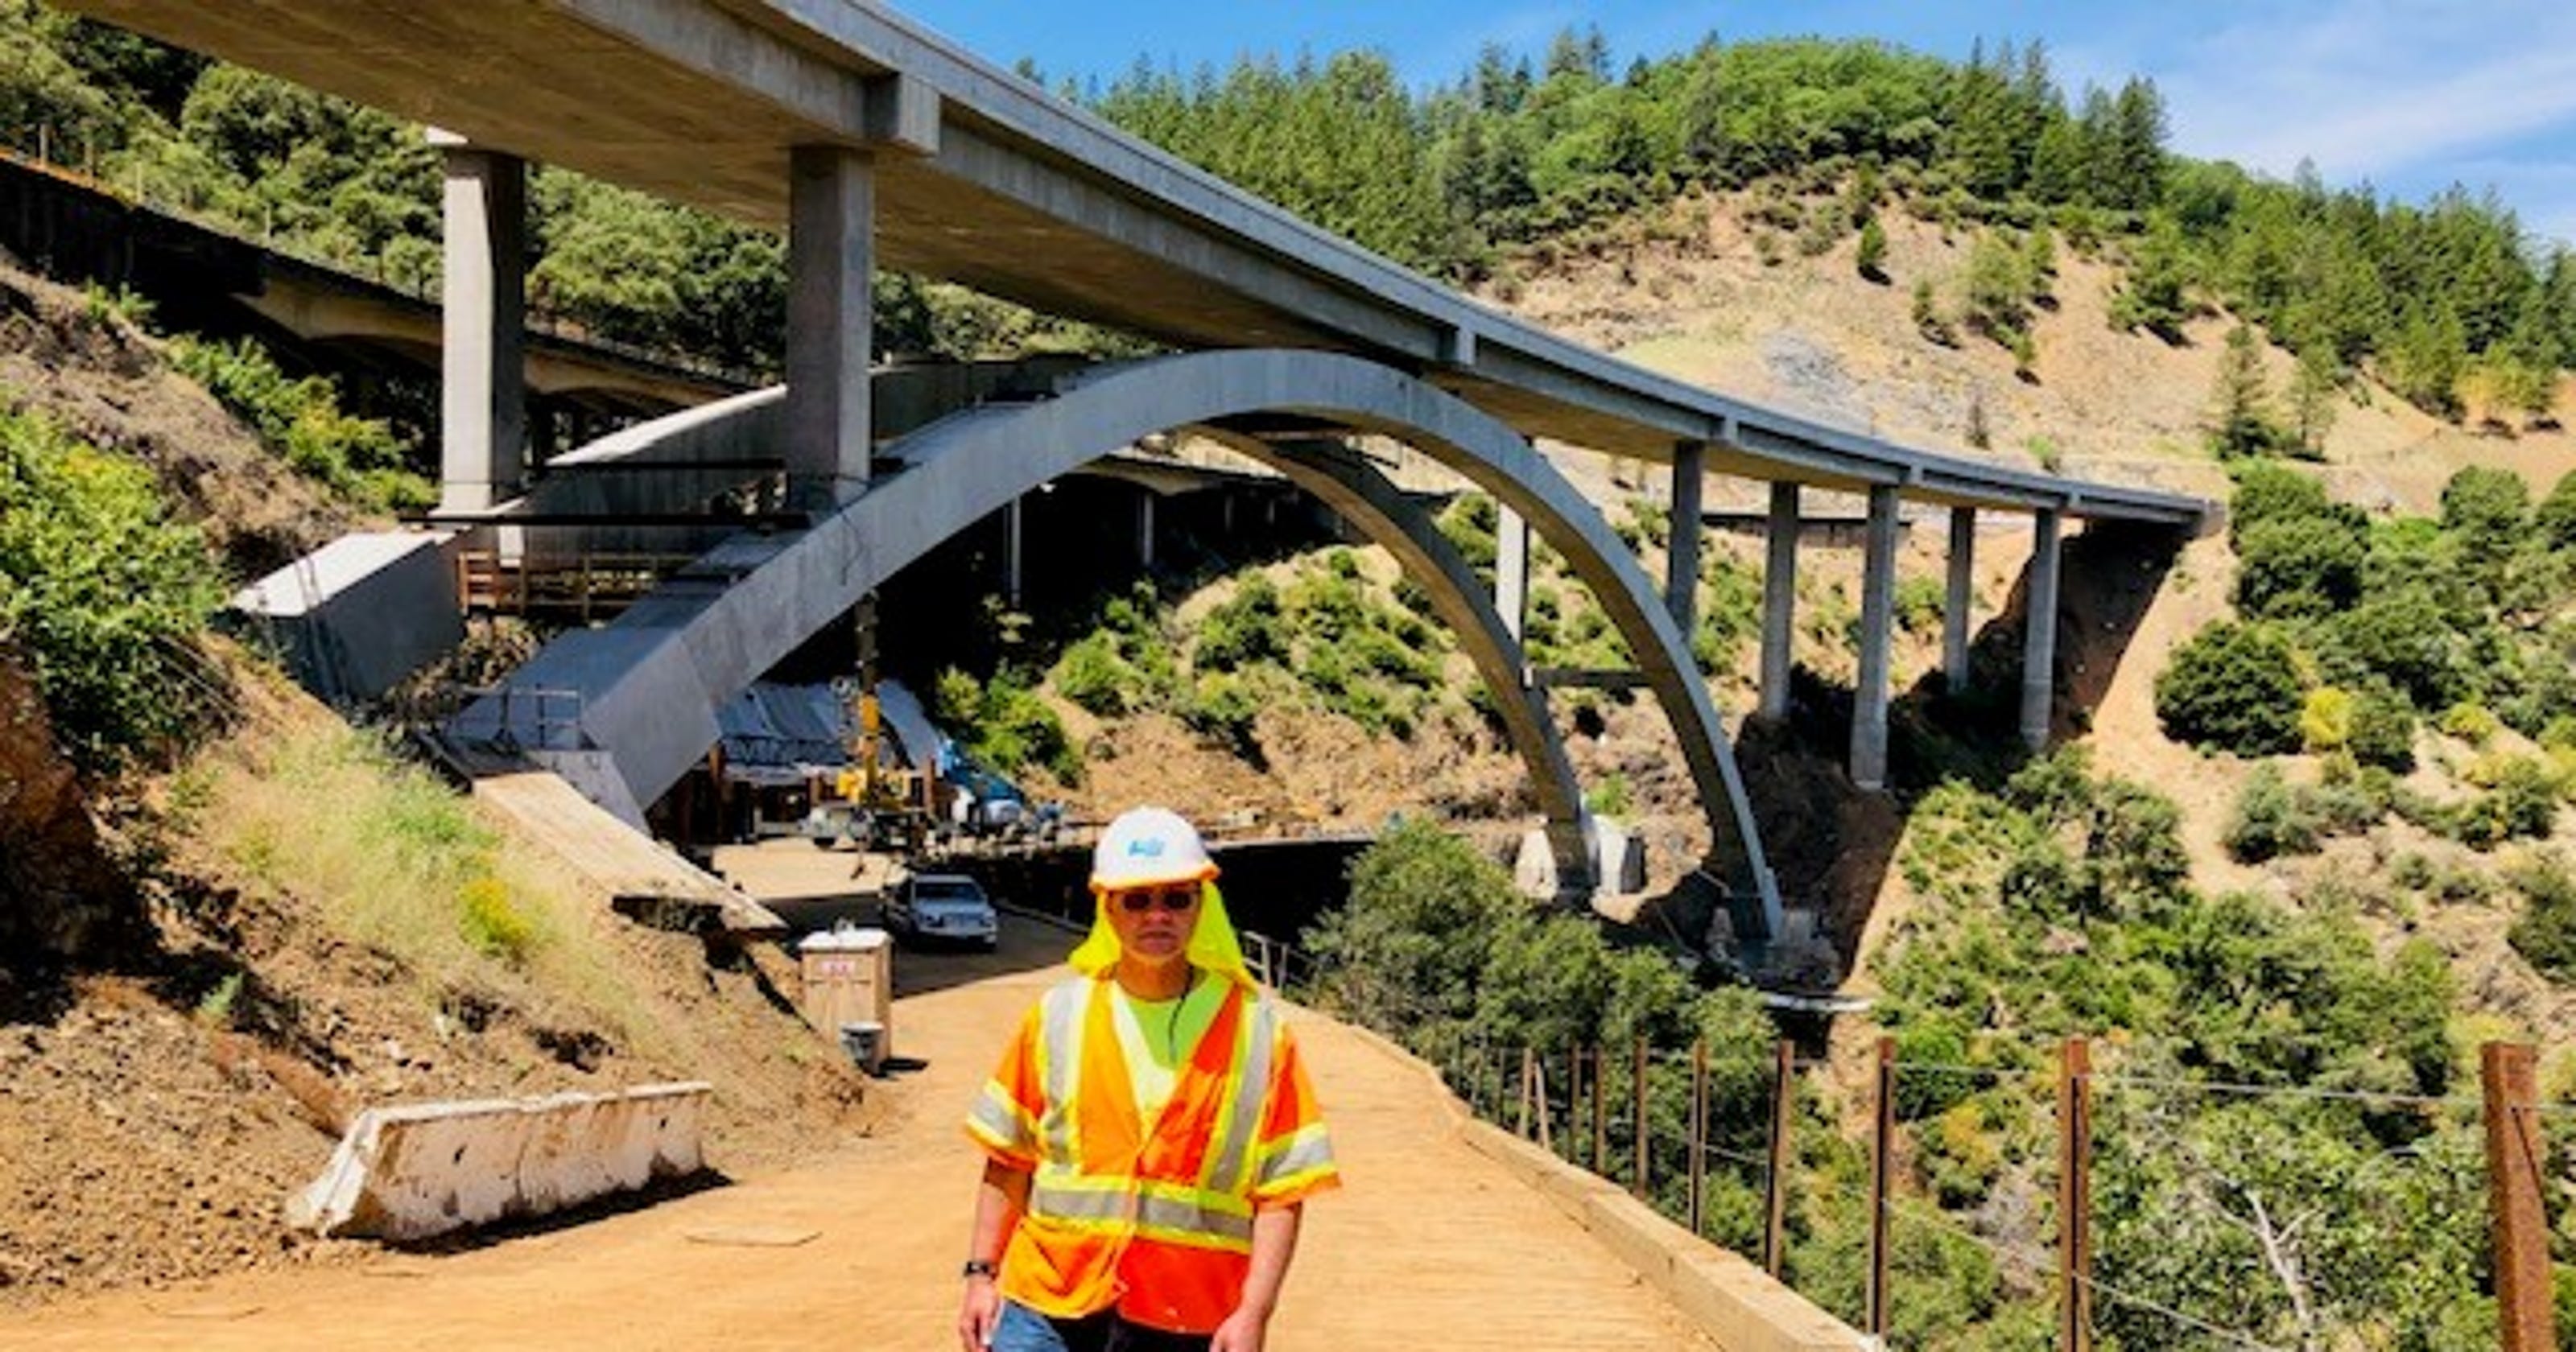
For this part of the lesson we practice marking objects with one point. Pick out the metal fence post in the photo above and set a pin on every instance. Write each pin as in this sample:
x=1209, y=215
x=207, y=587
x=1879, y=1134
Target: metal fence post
x=1637, y=1075
x=1882, y=1161
x=1784, y=1099
x=1600, y=1138
x=2075, y=1196
x=2515, y=1155
x=1698, y=1135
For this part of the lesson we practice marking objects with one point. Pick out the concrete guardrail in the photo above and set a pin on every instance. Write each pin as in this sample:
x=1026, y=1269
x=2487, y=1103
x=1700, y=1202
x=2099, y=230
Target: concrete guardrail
x=420, y=1170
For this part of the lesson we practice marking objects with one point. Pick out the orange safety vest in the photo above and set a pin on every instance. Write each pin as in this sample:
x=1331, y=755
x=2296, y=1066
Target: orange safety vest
x=1157, y=1222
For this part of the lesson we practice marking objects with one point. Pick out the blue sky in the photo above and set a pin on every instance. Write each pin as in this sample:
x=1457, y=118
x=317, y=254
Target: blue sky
x=2408, y=95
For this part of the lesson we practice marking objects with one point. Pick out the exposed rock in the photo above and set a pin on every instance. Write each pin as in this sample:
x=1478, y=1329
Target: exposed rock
x=60, y=895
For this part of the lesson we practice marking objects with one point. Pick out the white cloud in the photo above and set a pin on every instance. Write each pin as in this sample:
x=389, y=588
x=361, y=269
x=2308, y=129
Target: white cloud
x=2383, y=89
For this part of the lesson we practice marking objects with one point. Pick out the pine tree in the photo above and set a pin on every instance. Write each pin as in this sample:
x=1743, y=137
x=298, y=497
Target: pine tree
x=2313, y=389
x=2137, y=149
x=2240, y=401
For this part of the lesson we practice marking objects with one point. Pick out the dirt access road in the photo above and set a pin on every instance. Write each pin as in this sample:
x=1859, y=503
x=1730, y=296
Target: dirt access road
x=1429, y=1244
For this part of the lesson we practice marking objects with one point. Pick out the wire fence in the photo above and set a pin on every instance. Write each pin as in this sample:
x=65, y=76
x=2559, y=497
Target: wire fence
x=2042, y=1201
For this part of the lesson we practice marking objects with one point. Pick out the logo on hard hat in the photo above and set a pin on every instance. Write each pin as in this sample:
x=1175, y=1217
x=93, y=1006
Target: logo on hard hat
x=1150, y=849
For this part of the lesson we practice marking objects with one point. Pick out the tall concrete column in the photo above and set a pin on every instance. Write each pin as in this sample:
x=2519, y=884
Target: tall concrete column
x=831, y=248
x=2039, y=645
x=1511, y=569
x=1145, y=530
x=1962, y=599
x=1011, y=557
x=1779, y=600
x=483, y=397
x=1877, y=626
x=1681, y=576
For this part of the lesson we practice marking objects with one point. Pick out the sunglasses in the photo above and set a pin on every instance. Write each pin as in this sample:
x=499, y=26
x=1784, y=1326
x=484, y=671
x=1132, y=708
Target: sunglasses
x=1177, y=897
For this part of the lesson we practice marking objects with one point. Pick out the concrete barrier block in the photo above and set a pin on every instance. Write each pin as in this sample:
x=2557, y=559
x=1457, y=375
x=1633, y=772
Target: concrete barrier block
x=419, y=1170
x=1627, y=1227
x=1734, y=1301
x=1723, y=1290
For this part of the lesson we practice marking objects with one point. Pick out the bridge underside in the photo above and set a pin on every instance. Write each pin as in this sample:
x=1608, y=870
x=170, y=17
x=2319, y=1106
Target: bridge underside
x=647, y=687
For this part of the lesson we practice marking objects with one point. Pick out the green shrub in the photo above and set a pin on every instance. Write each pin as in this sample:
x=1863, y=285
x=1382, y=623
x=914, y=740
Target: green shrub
x=1469, y=521
x=2521, y=804
x=1246, y=628
x=2545, y=933
x=2470, y=723
x=1091, y=674
x=1919, y=603
x=2486, y=509
x=2266, y=491
x=102, y=592
x=1223, y=708
x=2383, y=729
x=2270, y=820
x=2555, y=518
x=1610, y=797
x=491, y=922
x=2234, y=687
x=2298, y=567
x=301, y=421
x=2325, y=720
x=2403, y=637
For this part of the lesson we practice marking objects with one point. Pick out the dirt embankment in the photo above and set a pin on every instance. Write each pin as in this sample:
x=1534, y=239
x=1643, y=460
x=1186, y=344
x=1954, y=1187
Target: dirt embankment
x=65, y=356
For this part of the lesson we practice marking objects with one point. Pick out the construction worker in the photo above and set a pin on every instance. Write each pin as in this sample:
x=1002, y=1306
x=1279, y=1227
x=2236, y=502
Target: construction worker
x=1150, y=1135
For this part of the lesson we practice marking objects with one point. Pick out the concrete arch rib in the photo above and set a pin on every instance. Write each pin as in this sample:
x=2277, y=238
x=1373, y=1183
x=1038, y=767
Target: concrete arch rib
x=646, y=687
x=1352, y=487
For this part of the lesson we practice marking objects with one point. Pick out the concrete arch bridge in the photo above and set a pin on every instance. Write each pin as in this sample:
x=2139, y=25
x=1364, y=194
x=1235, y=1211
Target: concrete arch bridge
x=874, y=142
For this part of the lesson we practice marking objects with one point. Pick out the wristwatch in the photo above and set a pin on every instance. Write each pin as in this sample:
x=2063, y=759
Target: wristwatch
x=977, y=1267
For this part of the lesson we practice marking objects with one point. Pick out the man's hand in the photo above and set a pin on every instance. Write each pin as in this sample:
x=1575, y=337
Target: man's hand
x=1242, y=1331
x=979, y=1312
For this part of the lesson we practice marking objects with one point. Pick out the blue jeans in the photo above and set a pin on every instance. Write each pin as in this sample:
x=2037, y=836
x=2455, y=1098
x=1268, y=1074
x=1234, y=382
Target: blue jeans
x=1021, y=1329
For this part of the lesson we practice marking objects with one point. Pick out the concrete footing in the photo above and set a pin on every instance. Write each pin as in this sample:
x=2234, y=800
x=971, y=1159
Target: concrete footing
x=421, y=1170
x=1618, y=859
x=355, y=617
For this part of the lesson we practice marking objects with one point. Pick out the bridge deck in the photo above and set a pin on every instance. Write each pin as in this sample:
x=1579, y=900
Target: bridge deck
x=1431, y=1244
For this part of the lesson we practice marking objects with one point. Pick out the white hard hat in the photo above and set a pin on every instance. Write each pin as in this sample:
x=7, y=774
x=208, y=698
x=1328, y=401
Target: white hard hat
x=1146, y=846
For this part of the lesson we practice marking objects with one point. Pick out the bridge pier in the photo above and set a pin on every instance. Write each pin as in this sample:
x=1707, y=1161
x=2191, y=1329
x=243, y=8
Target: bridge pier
x=1145, y=531
x=2039, y=647
x=1511, y=570
x=483, y=396
x=1681, y=573
x=831, y=249
x=1011, y=556
x=1961, y=600
x=1779, y=600
x=1877, y=623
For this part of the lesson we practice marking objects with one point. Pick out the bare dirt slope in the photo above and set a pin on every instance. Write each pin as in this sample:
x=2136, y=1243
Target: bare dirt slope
x=159, y=1099
x=73, y=360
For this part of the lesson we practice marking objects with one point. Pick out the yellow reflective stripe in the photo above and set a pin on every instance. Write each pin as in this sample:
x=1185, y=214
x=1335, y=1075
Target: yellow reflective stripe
x=1299, y=1181
x=999, y=1121
x=1301, y=1151
x=1241, y=1114
x=1154, y=1211
x=1060, y=1063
